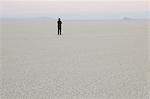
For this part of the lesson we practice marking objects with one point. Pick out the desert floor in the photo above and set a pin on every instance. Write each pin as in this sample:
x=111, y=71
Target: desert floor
x=91, y=60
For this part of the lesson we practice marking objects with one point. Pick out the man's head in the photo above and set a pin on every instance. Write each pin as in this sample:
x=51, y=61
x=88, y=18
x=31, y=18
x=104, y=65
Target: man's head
x=58, y=19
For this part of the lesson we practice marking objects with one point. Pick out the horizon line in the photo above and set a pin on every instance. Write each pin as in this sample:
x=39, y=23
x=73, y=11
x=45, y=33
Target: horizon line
x=122, y=18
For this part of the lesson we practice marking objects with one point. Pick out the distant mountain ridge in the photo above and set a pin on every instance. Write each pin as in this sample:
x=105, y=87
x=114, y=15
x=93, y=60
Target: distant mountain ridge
x=27, y=18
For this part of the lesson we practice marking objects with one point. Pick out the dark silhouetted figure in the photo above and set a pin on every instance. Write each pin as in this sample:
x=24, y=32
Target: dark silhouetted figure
x=59, y=26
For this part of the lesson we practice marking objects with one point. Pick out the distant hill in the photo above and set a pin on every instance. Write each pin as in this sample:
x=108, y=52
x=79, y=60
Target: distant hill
x=45, y=18
x=127, y=18
x=28, y=18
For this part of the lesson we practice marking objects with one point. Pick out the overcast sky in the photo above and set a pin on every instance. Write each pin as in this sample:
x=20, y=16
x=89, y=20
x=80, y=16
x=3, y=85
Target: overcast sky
x=75, y=9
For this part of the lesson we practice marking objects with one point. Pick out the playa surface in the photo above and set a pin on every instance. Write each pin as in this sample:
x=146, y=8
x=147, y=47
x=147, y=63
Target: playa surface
x=91, y=60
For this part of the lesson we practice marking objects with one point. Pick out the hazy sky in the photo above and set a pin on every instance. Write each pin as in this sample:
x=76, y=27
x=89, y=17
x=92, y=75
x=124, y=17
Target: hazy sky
x=83, y=9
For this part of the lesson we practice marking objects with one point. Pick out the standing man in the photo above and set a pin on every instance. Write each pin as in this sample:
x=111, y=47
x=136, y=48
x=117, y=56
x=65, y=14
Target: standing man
x=59, y=26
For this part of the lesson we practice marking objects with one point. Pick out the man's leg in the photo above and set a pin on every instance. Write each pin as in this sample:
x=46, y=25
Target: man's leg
x=60, y=31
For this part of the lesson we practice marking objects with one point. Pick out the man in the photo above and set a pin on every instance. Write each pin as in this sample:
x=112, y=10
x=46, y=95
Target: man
x=59, y=26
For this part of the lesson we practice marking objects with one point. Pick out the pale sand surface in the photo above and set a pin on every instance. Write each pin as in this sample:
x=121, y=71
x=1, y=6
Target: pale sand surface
x=91, y=60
